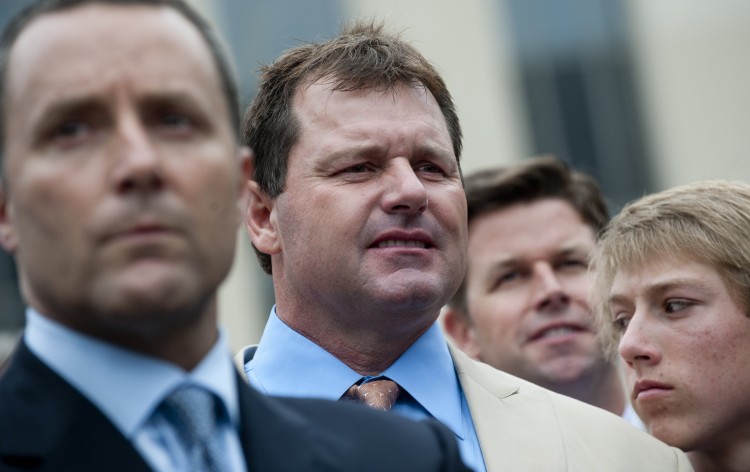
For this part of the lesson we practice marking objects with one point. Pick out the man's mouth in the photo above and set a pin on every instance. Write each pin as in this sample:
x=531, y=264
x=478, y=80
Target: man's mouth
x=556, y=331
x=648, y=389
x=401, y=243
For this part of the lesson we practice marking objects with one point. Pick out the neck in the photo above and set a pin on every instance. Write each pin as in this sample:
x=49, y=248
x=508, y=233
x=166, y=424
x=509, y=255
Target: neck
x=185, y=345
x=704, y=462
x=367, y=343
x=182, y=337
x=731, y=455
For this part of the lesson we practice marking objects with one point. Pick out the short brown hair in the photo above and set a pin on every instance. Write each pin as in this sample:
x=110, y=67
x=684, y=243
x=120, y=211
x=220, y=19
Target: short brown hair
x=362, y=56
x=530, y=180
x=708, y=222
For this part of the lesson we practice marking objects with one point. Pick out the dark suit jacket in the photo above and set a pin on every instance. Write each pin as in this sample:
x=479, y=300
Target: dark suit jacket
x=46, y=425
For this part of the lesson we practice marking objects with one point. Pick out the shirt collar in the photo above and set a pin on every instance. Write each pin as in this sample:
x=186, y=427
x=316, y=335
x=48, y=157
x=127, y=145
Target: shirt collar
x=301, y=368
x=426, y=371
x=135, y=383
x=282, y=365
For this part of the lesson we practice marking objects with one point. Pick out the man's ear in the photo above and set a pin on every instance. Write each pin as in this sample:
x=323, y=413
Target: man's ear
x=247, y=163
x=8, y=237
x=460, y=329
x=260, y=221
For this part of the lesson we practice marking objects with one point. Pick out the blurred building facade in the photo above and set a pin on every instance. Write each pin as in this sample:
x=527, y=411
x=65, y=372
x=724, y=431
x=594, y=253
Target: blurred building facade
x=643, y=95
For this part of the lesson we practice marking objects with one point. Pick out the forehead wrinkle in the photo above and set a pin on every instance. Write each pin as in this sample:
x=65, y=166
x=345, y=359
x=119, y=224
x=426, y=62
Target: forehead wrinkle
x=116, y=55
x=90, y=67
x=346, y=98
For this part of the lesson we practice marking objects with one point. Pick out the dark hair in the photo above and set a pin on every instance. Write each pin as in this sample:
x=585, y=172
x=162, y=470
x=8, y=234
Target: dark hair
x=528, y=181
x=362, y=56
x=44, y=7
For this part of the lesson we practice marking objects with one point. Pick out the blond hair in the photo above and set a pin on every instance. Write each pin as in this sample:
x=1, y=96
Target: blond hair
x=706, y=222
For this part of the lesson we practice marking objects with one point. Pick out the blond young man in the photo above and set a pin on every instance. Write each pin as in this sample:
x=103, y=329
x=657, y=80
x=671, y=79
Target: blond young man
x=672, y=296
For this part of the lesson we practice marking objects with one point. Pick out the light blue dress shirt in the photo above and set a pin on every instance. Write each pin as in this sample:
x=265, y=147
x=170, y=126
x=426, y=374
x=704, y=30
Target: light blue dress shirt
x=288, y=364
x=127, y=387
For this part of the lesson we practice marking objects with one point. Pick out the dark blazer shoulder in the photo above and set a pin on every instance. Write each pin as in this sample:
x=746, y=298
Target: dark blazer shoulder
x=320, y=435
x=46, y=424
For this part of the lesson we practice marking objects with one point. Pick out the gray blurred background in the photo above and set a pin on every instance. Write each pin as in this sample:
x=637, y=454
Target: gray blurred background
x=641, y=94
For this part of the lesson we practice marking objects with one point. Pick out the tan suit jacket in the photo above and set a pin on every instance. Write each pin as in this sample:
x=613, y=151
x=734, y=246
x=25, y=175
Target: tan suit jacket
x=524, y=427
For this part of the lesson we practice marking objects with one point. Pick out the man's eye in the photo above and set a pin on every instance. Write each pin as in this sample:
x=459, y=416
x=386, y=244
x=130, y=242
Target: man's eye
x=621, y=323
x=357, y=168
x=573, y=263
x=506, y=278
x=71, y=129
x=176, y=121
x=675, y=305
x=429, y=168
x=70, y=133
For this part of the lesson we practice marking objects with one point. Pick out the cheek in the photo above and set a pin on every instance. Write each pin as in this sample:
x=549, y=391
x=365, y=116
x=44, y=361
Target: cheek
x=629, y=376
x=496, y=318
x=721, y=356
x=450, y=210
x=578, y=287
x=52, y=211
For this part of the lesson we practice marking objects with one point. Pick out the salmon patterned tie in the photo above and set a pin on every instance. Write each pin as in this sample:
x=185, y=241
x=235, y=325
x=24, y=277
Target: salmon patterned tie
x=380, y=394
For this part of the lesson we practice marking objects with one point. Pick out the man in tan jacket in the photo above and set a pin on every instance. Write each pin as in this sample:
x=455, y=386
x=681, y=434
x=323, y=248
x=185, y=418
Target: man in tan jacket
x=357, y=210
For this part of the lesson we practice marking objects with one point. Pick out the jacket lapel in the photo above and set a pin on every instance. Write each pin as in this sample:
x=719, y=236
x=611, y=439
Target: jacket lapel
x=516, y=431
x=46, y=424
x=274, y=436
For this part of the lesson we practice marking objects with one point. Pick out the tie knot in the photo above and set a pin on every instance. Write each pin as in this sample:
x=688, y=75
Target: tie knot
x=192, y=411
x=380, y=393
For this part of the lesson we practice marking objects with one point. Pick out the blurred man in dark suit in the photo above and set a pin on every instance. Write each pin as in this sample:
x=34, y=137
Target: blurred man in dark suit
x=121, y=182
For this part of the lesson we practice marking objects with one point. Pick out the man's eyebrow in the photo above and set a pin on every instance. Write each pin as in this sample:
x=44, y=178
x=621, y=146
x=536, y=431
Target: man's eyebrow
x=356, y=150
x=575, y=248
x=434, y=149
x=661, y=287
x=617, y=299
x=67, y=106
x=679, y=282
x=51, y=113
x=502, y=264
x=77, y=104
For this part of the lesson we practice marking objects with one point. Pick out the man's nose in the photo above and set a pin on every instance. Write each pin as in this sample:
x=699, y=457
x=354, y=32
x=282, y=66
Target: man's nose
x=548, y=293
x=636, y=346
x=138, y=167
x=405, y=193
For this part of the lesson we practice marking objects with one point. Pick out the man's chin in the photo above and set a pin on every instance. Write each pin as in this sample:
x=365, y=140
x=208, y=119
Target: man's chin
x=409, y=290
x=157, y=297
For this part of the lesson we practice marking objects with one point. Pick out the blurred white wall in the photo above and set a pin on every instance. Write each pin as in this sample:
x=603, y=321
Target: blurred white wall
x=693, y=61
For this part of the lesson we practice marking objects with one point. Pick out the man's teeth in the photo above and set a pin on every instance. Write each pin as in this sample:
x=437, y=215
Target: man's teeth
x=399, y=243
x=557, y=331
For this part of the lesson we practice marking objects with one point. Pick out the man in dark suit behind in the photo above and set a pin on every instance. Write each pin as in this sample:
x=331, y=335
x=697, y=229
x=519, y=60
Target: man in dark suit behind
x=121, y=184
